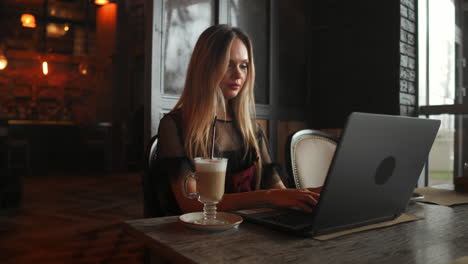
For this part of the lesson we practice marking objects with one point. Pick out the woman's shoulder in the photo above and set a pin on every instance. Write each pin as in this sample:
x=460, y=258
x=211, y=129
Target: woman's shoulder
x=174, y=115
x=171, y=118
x=170, y=136
x=170, y=123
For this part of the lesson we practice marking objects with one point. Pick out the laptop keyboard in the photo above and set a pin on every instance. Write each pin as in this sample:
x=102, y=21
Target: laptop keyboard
x=292, y=218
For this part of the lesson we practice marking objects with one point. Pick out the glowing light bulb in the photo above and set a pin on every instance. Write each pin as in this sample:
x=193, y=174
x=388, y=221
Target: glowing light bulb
x=28, y=20
x=101, y=2
x=3, y=62
x=66, y=27
x=45, y=68
x=83, y=68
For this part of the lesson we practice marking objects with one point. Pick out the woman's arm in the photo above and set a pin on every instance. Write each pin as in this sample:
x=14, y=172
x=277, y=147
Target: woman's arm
x=278, y=185
x=303, y=199
x=271, y=178
x=170, y=146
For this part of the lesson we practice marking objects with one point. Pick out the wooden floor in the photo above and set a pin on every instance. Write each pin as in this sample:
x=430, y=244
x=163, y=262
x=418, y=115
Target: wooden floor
x=73, y=219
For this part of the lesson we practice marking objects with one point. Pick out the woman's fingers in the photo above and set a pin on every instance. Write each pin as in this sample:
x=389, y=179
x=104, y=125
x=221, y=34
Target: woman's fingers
x=312, y=200
x=302, y=199
x=315, y=189
x=308, y=192
x=306, y=202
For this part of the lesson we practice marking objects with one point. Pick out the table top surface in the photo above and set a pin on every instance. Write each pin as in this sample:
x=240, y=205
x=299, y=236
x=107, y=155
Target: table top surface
x=441, y=237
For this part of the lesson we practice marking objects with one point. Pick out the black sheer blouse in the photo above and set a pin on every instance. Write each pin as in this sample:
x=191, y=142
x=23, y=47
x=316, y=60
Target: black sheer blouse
x=172, y=161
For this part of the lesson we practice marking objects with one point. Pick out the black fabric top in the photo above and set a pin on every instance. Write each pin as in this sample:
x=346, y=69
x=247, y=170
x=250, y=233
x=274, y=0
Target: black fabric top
x=172, y=162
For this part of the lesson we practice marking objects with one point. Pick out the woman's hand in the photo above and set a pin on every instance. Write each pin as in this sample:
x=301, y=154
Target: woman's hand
x=315, y=189
x=303, y=199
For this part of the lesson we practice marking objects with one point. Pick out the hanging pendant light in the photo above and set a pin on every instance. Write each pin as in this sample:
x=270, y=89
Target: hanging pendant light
x=83, y=67
x=44, y=63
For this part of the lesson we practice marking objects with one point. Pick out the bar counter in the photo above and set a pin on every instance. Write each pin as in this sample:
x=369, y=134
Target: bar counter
x=44, y=146
x=40, y=122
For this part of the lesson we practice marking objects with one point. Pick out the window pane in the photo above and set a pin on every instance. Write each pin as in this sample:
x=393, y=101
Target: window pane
x=252, y=17
x=422, y=52
x=441, y=52
x=441, y=157
x=184, y=21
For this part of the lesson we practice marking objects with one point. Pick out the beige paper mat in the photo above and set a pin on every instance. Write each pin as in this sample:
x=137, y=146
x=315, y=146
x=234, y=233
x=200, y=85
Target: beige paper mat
x=462, y=260
x=401, y=219
x=442, y=196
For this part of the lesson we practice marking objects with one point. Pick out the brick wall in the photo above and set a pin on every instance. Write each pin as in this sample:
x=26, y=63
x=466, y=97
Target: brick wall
x=408, y=58
x=63, y=95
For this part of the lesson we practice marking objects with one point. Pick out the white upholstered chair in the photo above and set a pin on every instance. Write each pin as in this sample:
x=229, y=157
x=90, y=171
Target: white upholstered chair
x=309, y=154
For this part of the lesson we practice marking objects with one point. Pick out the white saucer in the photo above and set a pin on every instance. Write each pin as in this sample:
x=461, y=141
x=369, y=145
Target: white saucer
x=231, y=221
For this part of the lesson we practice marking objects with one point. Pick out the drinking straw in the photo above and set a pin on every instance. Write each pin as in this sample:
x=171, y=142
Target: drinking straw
x=213, y=128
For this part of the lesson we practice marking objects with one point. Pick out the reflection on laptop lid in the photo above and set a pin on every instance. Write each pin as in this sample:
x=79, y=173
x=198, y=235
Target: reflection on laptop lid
x=372, y=176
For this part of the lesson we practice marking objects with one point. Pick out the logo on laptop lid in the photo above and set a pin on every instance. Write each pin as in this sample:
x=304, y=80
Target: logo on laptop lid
x=385, y=170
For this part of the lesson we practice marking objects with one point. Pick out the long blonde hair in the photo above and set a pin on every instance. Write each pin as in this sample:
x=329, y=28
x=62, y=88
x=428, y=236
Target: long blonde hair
x=202, y=96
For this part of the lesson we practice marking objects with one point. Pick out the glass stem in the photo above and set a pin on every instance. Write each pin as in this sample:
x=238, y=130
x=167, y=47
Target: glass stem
x=209, y=211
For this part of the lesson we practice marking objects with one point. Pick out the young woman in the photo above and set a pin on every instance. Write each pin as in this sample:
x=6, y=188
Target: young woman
x=219, y=83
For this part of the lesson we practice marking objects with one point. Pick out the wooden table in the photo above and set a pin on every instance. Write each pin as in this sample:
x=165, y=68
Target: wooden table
x=441, y=237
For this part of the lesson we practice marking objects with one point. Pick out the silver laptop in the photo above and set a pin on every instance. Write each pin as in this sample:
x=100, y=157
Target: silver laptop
x=374, y=171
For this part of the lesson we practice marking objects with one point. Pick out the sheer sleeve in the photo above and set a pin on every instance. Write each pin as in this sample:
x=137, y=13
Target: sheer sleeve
x=171, y=154
x=171, y=164
x=271, y=171
x=170, y=141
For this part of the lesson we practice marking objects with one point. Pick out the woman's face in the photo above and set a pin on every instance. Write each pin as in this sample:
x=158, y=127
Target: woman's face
x=234, y=78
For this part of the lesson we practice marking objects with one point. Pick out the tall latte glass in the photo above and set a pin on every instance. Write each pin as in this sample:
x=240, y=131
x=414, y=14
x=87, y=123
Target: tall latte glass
x=210, y=175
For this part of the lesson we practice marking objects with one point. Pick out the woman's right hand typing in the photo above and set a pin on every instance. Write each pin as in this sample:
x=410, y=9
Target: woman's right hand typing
x=303, y=199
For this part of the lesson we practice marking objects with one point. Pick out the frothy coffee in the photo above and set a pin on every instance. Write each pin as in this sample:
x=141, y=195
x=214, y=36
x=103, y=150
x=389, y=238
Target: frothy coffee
x=211, y=176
